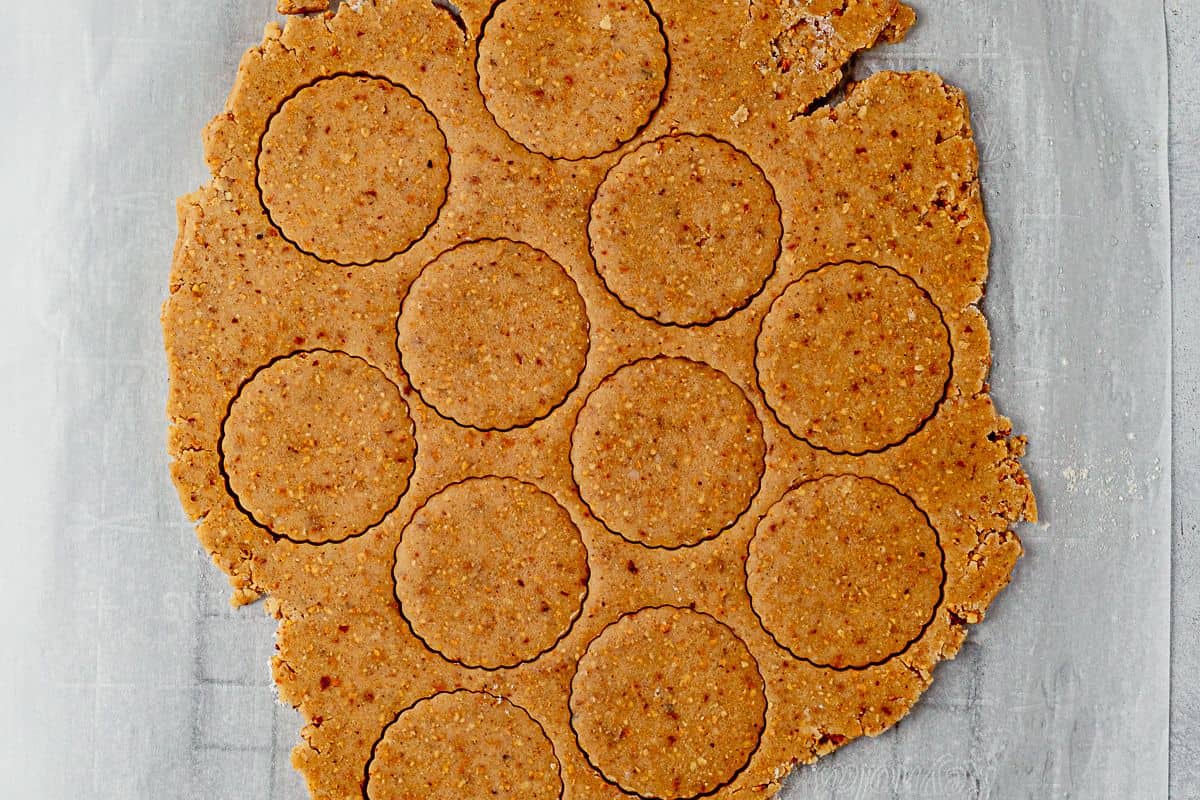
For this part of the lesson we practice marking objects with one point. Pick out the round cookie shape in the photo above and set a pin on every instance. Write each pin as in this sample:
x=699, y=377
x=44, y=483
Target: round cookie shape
x=491, y=572
x=464, y=744
x=493, y=334
x=318, y=446
x=685, y=230
x=845, y=572
x=353, y=169
x=667, y=452
x=854, y=358
x=668, y=703
x=572, y=79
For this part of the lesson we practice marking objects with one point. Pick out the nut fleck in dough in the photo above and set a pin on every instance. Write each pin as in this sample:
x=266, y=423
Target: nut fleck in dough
x=491, y=572
x=493, y=334
x=539, y=351
x=458, y=745
x=318, y=446
x=668, y=703
x=854, y=358
x=353, y=169
x=668, y=452
x=845, y=572
x=573, y=78
x=685, y=230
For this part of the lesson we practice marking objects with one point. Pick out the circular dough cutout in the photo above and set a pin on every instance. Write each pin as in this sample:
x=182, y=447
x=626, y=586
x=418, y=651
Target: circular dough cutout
x=845, y=572
x=493, y=334
x=854, y=358
x=668, y=703
x=353, y=169
x=318, y=446
x=464, y=744
x=685, y=230
x=491, y=572
x=575, y=78
x=667, y=452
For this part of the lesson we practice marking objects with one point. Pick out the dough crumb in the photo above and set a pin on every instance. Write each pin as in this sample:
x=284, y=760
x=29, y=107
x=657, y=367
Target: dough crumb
x=302, y=6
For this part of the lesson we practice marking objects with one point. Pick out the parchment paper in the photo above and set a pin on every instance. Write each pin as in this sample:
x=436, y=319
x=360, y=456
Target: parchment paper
x=1183, y=30
x=124, y=673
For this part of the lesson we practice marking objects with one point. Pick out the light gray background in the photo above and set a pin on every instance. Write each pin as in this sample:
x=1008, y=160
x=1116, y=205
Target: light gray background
x=123, y=673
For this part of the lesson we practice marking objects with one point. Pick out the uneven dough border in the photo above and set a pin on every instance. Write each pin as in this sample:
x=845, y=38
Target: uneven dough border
x=980, y=542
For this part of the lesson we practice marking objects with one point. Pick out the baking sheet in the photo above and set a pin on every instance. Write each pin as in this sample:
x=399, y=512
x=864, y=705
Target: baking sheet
x=126, y=675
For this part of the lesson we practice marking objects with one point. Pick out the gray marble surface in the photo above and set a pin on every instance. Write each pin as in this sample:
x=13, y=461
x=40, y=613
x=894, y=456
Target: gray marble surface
x=123, y=672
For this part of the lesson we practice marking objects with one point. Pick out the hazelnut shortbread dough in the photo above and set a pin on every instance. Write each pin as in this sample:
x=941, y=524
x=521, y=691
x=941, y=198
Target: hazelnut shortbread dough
x=601, y=415
x=668, y=702
x=531, y=564
x=667, y=452
x=318, y=446
x=493, y=334
x=574, y=78
x=844, y=572
x=853, y=358
x=301, y=6
x=352, y=169
x=461, y=744
x=685, y=230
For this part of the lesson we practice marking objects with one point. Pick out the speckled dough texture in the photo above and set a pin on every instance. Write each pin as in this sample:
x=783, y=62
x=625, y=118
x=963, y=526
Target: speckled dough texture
x=601, y=415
